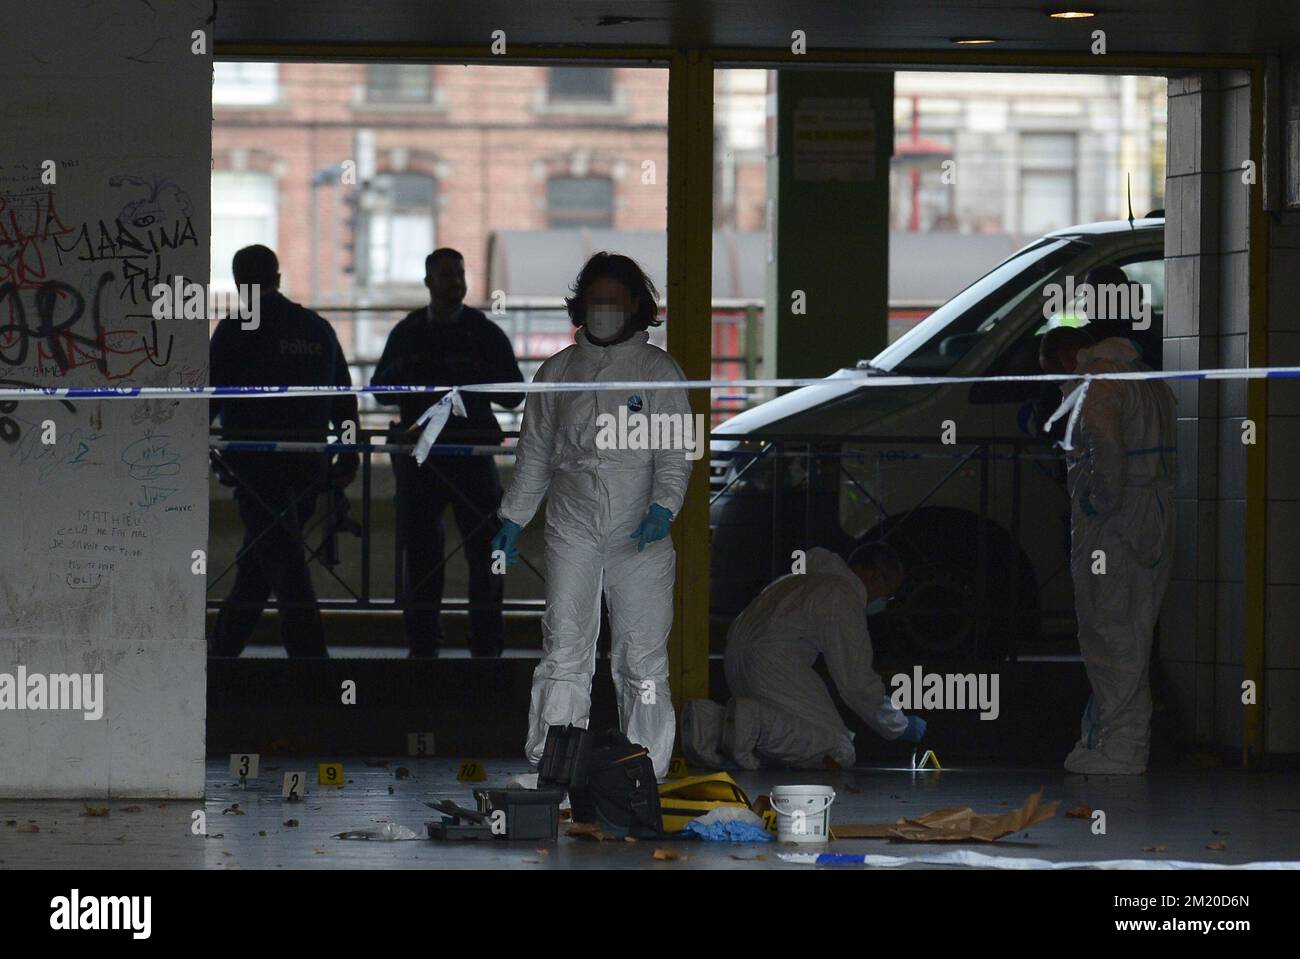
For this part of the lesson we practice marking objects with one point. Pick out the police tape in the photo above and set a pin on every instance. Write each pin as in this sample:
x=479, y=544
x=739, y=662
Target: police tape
x=856, y=378
x=979, y=860
x=479, y=449
x=435, y=417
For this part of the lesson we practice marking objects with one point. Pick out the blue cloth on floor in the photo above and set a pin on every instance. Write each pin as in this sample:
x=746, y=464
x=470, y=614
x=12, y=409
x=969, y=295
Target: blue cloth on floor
x=733, y=831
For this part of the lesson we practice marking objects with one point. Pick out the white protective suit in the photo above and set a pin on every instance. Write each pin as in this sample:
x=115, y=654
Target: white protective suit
x=781, y=712
x=597, y=498
x=1121, y=478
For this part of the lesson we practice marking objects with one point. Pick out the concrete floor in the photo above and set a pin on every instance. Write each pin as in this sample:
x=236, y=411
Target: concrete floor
x=1256, y=815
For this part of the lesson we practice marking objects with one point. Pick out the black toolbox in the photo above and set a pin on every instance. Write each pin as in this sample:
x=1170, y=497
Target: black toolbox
x=531, y=814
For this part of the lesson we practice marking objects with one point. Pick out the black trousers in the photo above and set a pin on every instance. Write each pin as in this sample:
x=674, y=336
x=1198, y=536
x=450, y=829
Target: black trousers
x=471, y=486
x=274, y=507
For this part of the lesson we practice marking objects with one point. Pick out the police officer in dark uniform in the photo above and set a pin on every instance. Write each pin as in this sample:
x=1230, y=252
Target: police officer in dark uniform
x=275, y=491
x=448, y=343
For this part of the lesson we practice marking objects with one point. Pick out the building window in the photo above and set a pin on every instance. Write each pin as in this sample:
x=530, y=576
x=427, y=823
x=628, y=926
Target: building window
x=243, y=213
x=1047, y=182
x=589, y=84
x=580, y=202
x=400, y=228
x=399, y=83
x=245, y=84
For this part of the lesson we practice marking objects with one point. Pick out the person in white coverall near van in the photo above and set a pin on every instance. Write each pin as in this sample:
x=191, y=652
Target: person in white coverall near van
x=781, y=712
x=1121, y=481
x=607, y=513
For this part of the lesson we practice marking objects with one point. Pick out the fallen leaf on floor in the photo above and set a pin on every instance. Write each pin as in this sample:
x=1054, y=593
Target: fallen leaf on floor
x=291, y=823
x=29, y=827
x=319, y=852
x=217, y=835
x=261, y=832
x=132, y=809
x=566, y=814
x=233, y=810
x=1218, y=845
x=531, y=862
x=543, y=852
x=120, y=838
x=748, y=858
x=401, y=772
x=1154, y=848
x=88, y=810
x=588, y=830
x=226, y=852
x=667, y=855
x=1081, y=811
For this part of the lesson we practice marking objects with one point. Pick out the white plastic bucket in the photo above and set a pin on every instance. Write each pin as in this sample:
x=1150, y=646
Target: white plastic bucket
x=803, y=813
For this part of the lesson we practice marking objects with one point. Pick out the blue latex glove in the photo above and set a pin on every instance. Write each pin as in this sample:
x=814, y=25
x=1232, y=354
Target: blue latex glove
x=729, y=832
x=653, y=527
x=505, y=540
x=915, y=730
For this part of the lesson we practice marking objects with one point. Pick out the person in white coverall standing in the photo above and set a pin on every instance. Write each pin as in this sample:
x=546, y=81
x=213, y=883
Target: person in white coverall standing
x=781, y=713
x=1121, y=480
x=608, y=511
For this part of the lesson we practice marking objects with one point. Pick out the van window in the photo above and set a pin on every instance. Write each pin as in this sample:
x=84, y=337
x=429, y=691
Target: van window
x=1146, y=270
x=935, y=344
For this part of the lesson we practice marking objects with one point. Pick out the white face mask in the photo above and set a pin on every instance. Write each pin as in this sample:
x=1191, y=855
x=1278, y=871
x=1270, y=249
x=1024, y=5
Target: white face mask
x=605, y=323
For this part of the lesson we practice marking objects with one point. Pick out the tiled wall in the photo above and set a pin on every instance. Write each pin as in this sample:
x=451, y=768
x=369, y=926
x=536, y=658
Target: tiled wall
x=1202, y=634
x=1206, y=323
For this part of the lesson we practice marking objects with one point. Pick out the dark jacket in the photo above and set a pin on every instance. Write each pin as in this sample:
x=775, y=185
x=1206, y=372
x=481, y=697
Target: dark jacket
x=469, y=349
x=292, y=346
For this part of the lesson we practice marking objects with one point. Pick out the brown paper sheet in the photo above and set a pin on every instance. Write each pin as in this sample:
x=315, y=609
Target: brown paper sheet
x=954, y=825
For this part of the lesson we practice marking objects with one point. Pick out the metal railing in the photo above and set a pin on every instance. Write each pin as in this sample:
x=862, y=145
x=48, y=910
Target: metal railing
x=325, y=527
x=824, y=461
x=814, y=502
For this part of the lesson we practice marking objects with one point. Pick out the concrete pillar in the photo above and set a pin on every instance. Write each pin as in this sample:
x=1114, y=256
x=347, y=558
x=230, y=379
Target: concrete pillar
x=828, y=200
x=104, y=192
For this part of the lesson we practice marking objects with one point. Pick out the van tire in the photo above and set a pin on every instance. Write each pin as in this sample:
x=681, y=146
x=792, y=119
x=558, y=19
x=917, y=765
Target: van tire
x=939, y=547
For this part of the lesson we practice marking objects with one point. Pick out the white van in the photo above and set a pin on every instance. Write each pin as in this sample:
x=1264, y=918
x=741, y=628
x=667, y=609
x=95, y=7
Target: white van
x=861, y=463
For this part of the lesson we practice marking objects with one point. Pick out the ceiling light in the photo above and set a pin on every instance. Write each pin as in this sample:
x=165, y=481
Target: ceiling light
x=1072, y=14
x=973, y=40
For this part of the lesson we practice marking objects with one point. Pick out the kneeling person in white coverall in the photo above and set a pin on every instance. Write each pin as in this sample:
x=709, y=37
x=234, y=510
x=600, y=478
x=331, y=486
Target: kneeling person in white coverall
x=607, y=512
x=1121, y=480
x=781, y=713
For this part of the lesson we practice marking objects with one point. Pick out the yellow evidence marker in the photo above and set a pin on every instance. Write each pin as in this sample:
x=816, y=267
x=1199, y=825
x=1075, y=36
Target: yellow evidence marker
x=471, y=771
